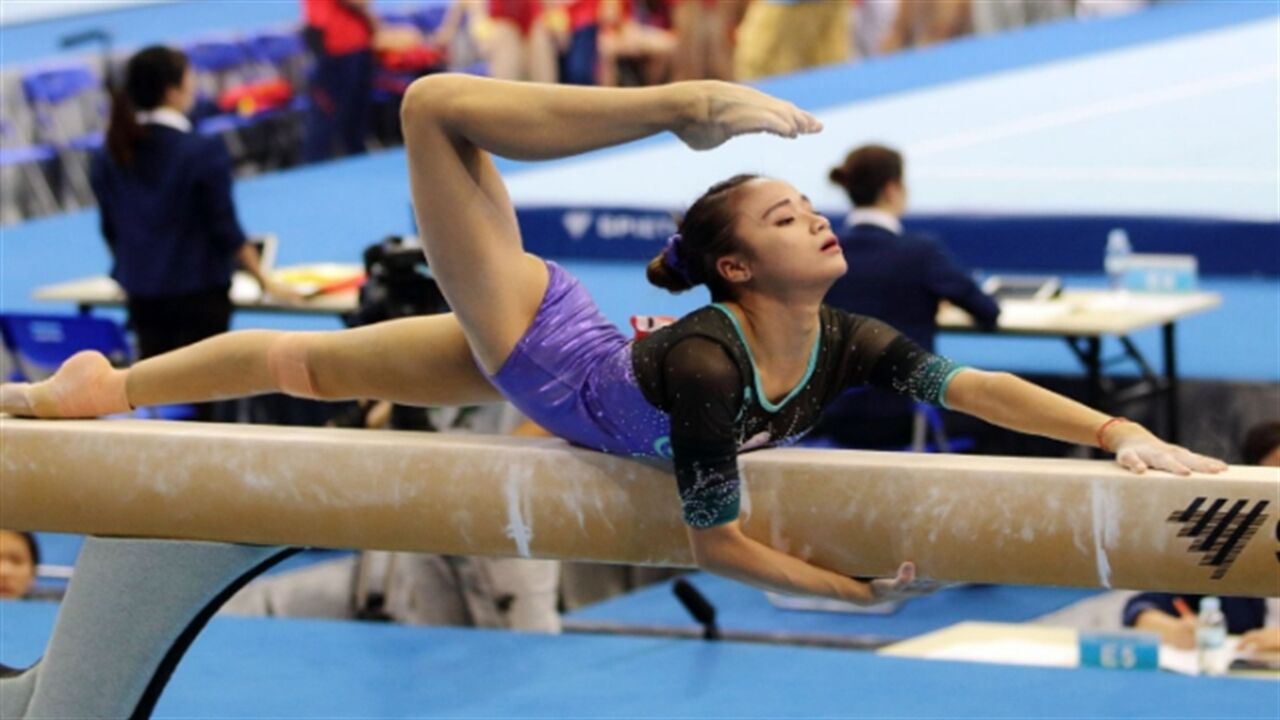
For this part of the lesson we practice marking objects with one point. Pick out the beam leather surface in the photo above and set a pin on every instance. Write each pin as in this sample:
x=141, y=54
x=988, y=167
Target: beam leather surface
x=960, y=518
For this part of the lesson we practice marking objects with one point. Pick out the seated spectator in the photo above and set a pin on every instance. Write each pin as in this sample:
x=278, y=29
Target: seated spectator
x=704, y=39
x=578, y=63
x=1158, y=612
x=992, y=16
x=1095, y=8
x=897, y=277
x=624, y=38
x=341, y=34
x=516, y=37
x=783, y=36
x=19, y=556
x=871, y=21
x=920, y=23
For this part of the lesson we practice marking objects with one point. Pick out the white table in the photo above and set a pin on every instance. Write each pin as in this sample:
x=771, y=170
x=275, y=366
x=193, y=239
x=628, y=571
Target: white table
x=1083, y=317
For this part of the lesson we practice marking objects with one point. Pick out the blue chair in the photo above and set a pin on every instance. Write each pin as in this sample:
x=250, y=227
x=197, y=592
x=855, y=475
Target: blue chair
x=282, y=55
x=218, y=64
x=399, y=18
x=70, y=108
x=279, y=53
x=429, y=17
x=39, y=344
x=27, y=162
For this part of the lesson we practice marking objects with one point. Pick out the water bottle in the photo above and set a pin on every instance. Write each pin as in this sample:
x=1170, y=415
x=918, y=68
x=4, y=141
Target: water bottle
x=1211, y=637
x=1117, y=257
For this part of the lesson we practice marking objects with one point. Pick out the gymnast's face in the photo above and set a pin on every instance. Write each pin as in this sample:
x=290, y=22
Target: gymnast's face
x=17, y=567
x=786, y=246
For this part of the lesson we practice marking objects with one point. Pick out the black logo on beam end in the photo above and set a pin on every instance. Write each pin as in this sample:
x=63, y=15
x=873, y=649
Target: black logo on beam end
x=1220, y=529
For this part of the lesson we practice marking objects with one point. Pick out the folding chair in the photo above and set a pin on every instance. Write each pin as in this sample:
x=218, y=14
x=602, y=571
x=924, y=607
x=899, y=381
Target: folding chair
x=281, y=56
x=26, y=190
x=70, y=108
x=430, y=17
x=219, y=65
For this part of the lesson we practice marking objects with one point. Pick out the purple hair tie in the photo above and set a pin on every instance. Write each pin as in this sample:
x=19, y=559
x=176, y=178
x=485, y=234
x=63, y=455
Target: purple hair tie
x=671, y=256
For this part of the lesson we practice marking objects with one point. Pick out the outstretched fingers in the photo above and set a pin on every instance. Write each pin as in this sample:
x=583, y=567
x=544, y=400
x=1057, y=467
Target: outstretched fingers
x=1130, y=460
x=905, y=584
x=1198, y=462
x=1155, y=455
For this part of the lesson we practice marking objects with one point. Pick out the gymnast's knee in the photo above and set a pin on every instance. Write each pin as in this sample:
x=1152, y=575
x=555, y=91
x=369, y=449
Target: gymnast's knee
x=289, y=365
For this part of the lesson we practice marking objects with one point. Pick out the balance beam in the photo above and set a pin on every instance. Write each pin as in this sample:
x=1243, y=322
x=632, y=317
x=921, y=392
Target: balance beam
x=960, y=518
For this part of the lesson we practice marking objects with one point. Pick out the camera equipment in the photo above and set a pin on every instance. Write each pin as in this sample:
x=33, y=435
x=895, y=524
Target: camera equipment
x=399, y=284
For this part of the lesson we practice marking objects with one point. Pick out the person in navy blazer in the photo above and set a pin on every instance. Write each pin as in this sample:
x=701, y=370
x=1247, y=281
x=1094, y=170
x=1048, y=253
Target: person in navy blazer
x=897, y=277
x=164, y=195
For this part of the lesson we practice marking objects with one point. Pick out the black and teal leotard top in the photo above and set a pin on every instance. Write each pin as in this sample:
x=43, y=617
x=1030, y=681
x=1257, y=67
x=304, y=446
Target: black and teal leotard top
x=699, y=370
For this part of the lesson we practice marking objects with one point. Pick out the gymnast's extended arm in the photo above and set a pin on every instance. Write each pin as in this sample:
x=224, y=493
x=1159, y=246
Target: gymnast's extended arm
x=1007, y=400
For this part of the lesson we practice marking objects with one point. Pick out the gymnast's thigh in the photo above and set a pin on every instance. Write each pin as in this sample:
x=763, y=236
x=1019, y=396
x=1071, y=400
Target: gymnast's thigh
x=422, y=360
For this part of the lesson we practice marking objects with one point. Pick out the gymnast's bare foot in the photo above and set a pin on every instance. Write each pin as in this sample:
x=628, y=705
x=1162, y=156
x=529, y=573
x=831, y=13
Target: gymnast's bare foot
x=85, y=386
x=726, y=110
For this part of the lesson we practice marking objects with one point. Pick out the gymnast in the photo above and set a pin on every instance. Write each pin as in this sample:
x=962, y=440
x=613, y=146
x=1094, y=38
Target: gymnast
x=753, y=369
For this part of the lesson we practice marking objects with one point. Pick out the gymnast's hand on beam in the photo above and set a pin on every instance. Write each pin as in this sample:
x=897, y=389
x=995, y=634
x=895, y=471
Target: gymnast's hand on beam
x=727, y=110
x=1137, y=450
x=904, y=586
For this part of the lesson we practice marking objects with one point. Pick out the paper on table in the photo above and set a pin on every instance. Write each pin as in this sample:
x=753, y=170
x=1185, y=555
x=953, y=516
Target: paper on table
x=1017, y=313
x=1009, y=651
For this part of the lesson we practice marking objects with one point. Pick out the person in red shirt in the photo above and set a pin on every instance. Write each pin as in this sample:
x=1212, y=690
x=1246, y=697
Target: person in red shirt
x=520, y=46
x=623, y=37
x=704, y=38
x=340, y=34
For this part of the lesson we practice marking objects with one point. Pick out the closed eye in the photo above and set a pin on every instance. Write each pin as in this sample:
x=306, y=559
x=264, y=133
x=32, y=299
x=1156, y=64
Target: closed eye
x=785, y=221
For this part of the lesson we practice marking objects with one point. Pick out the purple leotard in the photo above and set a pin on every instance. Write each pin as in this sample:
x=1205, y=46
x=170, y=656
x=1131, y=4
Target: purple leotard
x=691, y=391
x=572, y=374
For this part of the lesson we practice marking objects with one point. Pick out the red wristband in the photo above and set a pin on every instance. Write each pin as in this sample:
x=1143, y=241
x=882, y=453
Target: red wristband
x=1103, y=428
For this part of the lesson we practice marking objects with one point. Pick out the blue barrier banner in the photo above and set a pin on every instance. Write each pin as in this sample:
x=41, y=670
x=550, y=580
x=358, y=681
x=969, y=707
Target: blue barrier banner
x=990, y=243
x=603, y=233
x=1075, y=243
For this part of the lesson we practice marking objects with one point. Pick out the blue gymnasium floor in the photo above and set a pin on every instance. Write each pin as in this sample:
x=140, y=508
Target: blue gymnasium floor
x=740, y=608
x=244, y=668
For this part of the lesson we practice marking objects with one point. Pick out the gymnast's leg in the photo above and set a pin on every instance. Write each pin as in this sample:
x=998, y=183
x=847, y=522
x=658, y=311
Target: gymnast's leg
x=411, y=361
x=469, y=230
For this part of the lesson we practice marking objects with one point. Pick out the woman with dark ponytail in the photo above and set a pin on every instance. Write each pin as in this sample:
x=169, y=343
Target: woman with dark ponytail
x=164, y=194
x=752, y=369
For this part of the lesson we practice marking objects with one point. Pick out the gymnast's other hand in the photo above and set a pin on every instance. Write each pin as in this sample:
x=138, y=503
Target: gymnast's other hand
x=1261, y=640
x=902, y=587
x=86, y=386
x=725, y=110
x=1137, y=450
x=282, y=293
